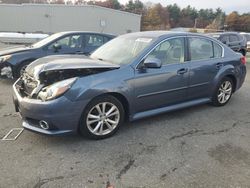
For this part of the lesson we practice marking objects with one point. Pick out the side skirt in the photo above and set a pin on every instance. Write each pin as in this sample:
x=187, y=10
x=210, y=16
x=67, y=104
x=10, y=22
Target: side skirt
x=153, y=112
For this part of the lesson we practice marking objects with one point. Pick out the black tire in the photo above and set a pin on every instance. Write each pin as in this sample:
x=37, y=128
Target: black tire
x=216, y=99
x=84, y=127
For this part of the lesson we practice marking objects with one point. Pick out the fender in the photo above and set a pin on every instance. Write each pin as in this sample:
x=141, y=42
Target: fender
x=105, y=84
x=227, y=70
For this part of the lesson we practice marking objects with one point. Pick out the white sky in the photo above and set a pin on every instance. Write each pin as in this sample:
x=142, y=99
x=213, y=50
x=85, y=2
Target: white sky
x=242, y=6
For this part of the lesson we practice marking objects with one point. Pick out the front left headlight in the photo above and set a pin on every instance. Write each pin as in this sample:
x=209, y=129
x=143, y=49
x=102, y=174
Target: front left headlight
x=55, y=90
x=4, y=58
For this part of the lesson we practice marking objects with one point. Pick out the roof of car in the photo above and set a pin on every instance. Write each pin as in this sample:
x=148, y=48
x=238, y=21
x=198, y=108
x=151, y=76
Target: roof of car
x=158, y=34
x=152, y=33
x=84, y=32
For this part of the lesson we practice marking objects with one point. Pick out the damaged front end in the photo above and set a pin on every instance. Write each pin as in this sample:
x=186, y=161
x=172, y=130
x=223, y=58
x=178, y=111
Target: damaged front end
x=53, y=83
x=48, y=78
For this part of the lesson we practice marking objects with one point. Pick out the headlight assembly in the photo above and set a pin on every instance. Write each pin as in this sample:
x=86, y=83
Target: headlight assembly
x=4, y=58
x=55, y=90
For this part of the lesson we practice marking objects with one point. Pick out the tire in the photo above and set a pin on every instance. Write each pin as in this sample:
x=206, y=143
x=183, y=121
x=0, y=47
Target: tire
x=223, y=92
x=97, y=123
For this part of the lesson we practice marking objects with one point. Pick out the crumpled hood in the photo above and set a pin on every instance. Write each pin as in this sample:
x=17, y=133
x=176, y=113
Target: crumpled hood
x=13, y=50
x=63, y=62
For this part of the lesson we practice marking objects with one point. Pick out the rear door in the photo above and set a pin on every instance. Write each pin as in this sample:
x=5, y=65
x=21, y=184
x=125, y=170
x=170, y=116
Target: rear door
x=205, y=62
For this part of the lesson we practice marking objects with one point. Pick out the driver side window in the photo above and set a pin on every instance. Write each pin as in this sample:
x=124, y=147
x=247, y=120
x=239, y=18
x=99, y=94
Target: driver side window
x=170, y=51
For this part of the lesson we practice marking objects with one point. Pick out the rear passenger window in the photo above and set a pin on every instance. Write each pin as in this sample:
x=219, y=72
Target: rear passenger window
x=94, y=40
x=217, y=50
x=200, y=49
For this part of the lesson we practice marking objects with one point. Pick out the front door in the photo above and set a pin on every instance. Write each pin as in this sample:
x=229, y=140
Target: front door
x=161, y=87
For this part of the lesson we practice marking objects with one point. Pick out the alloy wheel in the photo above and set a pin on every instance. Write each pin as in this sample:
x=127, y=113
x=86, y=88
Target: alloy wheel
x=225, y=92
x=103, y=118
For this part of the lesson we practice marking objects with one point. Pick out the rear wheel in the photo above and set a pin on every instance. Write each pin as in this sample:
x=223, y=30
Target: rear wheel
x=223, y=92
x=102, y=118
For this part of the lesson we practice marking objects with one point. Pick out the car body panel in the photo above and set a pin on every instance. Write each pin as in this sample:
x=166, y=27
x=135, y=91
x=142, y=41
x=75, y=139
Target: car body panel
x=164, y=86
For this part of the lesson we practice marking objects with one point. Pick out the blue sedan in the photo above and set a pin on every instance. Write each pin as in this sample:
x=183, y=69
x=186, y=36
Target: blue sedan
x=131, y=77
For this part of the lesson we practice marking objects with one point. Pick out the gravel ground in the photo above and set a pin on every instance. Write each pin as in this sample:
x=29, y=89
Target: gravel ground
x=202, y=146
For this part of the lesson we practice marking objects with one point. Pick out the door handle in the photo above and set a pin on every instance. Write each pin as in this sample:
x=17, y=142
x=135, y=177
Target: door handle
x=219, y=65
x=182, y=71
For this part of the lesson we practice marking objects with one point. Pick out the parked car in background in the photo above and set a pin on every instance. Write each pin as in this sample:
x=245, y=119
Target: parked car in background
x=13, y=61
x=133, y=76
x=247, y=36
x=234, y=40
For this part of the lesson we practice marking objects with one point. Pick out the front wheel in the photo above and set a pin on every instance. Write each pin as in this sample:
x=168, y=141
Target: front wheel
x=102, y=118
x=223, y=92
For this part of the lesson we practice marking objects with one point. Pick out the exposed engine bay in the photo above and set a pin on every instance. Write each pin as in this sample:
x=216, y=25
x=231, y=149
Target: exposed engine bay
x=50, y=77
x=29, y=87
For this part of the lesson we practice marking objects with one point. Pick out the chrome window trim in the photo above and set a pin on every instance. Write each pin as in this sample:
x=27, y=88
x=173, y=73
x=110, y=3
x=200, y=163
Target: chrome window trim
x=184, y=36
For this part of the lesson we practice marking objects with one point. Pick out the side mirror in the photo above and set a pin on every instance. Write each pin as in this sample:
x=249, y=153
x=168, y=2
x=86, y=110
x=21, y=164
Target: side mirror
x=57, y=47
x=151, y=62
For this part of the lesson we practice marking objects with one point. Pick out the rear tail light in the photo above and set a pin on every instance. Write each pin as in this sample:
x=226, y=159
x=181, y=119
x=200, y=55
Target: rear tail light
x=243, y=60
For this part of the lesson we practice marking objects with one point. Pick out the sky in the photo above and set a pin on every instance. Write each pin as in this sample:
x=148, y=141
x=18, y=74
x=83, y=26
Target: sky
x=242, y=6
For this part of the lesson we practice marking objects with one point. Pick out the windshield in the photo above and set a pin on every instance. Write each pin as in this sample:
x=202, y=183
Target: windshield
x=121, y=50
x=46, y=40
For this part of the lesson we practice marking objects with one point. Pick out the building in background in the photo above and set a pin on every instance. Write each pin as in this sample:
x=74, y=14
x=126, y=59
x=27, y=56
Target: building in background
x=48, y=18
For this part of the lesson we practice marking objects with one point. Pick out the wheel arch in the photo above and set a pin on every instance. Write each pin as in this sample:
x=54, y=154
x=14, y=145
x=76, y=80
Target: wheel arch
x=120, y=97
x=233, y=78
x=19, y=66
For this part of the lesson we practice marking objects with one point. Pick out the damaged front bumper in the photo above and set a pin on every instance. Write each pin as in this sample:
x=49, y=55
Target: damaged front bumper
x=61, y=115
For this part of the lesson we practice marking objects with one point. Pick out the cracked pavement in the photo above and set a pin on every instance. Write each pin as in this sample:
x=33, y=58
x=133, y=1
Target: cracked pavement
x=202, y=146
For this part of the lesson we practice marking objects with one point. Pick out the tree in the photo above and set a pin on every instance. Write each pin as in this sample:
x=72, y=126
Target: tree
x=188, y=16
x=174, y=14
x=136, y=7
x=232, y=21
x=156, y=18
